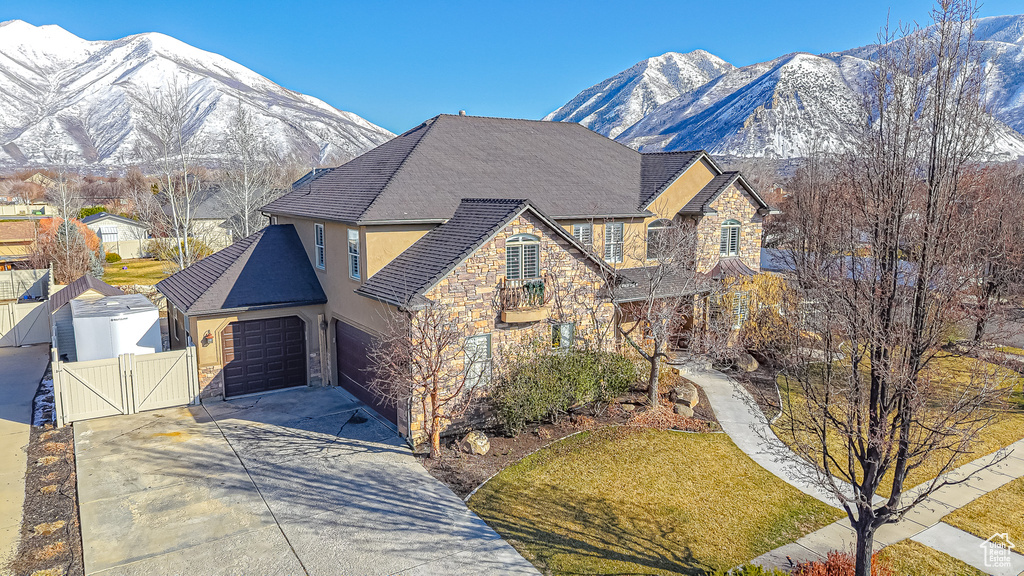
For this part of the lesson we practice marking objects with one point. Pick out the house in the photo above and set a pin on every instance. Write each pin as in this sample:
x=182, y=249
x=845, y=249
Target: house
x=85, y=289
x=40, y=179
x=122, y=236
x=17, y=237
x=212, y=219
x=497, y=218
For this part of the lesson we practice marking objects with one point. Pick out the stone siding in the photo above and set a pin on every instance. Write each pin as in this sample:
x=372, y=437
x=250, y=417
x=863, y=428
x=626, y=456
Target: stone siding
x=732, y=204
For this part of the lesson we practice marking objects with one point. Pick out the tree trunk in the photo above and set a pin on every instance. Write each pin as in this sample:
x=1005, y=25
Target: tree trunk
x=652, y=383
x=865, y=539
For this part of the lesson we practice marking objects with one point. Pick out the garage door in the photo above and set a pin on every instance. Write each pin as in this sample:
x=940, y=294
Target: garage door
x=354, y=347
x=261, y=355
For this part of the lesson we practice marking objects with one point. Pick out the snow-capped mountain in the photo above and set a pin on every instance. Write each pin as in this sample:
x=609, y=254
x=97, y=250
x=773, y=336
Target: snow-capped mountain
x=65, y=97
x=620, y=101
x=789, y=106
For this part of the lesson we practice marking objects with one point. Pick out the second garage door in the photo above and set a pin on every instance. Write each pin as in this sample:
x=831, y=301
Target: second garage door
x=261, y=355
x=354, y=347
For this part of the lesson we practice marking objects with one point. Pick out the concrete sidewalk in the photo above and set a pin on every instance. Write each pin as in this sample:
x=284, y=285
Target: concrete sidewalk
x=20, y=372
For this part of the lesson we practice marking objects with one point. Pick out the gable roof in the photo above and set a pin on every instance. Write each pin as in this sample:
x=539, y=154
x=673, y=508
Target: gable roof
x=564, y=169
x=18, y=231
x=269, y=269
x=106, y=216
x=79, y=287
x=659, y=169
x=701, y=202
x=404, y=280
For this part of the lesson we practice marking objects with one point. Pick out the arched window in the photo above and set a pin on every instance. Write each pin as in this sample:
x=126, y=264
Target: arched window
x=522, y=257
x=657, y=239
x=730, y=238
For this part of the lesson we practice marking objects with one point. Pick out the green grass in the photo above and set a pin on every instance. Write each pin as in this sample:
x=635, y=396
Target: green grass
x=631, y=501
x=947, y=373
x=996, y=512
x=910, y=558
x=140, y=271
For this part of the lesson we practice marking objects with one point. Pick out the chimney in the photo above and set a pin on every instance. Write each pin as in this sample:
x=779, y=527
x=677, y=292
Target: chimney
x=462, y=112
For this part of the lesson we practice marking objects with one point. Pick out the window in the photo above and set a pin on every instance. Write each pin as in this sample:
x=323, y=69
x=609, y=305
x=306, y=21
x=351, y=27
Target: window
x=740, y=308
x=108, y=233
x=522, y=257
x=563, y=335
x=657, y=239
x=321, y=252
x=584, y=234
x=478, y=360
x=613, y=242
x=730, y=238
x=353, y=254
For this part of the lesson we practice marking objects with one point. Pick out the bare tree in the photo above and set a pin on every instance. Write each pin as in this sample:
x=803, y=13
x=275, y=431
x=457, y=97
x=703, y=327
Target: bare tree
x=883, y=263
x=69, y=247
x=252, y=177
x=654, y=301
x=169, y=117
x=424, y=357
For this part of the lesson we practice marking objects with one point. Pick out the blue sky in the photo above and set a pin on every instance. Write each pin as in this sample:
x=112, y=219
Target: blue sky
x=398, y=63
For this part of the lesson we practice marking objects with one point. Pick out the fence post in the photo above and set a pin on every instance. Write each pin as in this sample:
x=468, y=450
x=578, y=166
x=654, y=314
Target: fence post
x=58, y=397
x=193, y=374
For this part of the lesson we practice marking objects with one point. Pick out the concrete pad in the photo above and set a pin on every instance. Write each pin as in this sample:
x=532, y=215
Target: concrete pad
x=929, y=512
x=893, y=533
x=957, y=495
x=836, y=536
x=144, y=524
x=493, y=557
x=968, y=548
x=263, y=551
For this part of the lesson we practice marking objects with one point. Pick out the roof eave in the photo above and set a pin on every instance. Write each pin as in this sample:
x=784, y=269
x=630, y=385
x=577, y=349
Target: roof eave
x=213, y=311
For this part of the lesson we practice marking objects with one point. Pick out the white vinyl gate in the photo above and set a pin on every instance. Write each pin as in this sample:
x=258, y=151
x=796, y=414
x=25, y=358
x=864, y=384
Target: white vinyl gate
x=24, y=323
x=127, y=384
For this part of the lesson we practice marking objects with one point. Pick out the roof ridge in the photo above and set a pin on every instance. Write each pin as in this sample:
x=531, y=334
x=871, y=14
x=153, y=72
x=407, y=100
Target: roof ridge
x=427, y=125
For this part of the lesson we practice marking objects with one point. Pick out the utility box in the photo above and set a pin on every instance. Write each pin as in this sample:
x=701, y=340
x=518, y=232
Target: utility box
x=115, y=325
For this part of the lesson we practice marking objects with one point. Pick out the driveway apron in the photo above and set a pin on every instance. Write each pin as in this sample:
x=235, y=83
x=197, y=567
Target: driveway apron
x=301, y=481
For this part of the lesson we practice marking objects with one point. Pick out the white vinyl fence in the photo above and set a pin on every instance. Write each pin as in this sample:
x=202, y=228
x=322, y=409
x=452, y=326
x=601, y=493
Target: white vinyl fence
x=127, y=384
x=24, y=323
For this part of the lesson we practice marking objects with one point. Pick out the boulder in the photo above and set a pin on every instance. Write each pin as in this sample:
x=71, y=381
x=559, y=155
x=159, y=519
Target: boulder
x=746, y=363
x=475, y=442
x=685, y=393
x=684, y=410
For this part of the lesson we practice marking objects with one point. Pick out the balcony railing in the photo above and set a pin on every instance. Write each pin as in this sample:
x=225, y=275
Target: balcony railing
x=522, y=294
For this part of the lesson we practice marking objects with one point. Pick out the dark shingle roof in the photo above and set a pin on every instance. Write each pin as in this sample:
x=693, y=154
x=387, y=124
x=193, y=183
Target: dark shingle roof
x=730, y=268
x=269, y=269
x=79, y=287
x=635, y=284
x=700, y=201
x=403, y=281
x=659, y=169
x=563, y=168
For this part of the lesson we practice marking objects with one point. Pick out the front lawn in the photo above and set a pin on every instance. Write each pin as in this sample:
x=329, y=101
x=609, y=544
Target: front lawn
x=624, y=500
x=999, y=511
x=147, y=271
x=949, y=372
x=913, y=559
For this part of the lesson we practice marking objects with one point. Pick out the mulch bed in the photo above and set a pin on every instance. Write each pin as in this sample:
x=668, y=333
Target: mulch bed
x=464, y=472
x=51, y=536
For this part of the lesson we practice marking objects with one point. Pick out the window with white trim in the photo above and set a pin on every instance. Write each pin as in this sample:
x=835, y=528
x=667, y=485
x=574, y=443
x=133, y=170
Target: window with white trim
x=584, y=234
x=613, y=242
x=730, y=245
x=522, y=257
x=353, y=254
x=562, y=335
x=321, y=251
x=740, y=308
x=657, y=239
x=478, y=360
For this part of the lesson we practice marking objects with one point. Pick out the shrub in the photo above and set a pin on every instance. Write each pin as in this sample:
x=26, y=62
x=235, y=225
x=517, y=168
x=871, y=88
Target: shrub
x=841, y=564
x=113, y=257
x=167, y=248
x=537, y=385
x=90, y=210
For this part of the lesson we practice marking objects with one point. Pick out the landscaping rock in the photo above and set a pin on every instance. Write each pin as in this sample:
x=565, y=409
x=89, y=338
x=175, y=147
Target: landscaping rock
x=47, y=528
x=627, y=407
x=684, y=410
x=746, y=363
x=685, y=393
x=475, y=442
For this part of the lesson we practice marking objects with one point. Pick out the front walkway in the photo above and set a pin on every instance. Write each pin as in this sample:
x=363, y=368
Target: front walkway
x=305, y=481
x=748, y=428
x=21, y=369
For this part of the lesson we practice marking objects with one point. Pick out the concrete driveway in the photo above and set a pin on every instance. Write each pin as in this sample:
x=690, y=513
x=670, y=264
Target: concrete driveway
x=305, y=481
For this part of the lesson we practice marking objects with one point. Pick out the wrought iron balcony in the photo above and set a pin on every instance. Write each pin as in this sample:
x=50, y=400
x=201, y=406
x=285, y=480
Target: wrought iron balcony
x=524, y=300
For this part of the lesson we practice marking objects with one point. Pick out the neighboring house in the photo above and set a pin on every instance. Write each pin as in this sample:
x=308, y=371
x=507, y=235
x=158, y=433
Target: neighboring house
x=34, y=209
x=476, y=213
x=40, y=179
x=211, y=220
x=122, y=236
x=86, y=289
x=17, y=237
